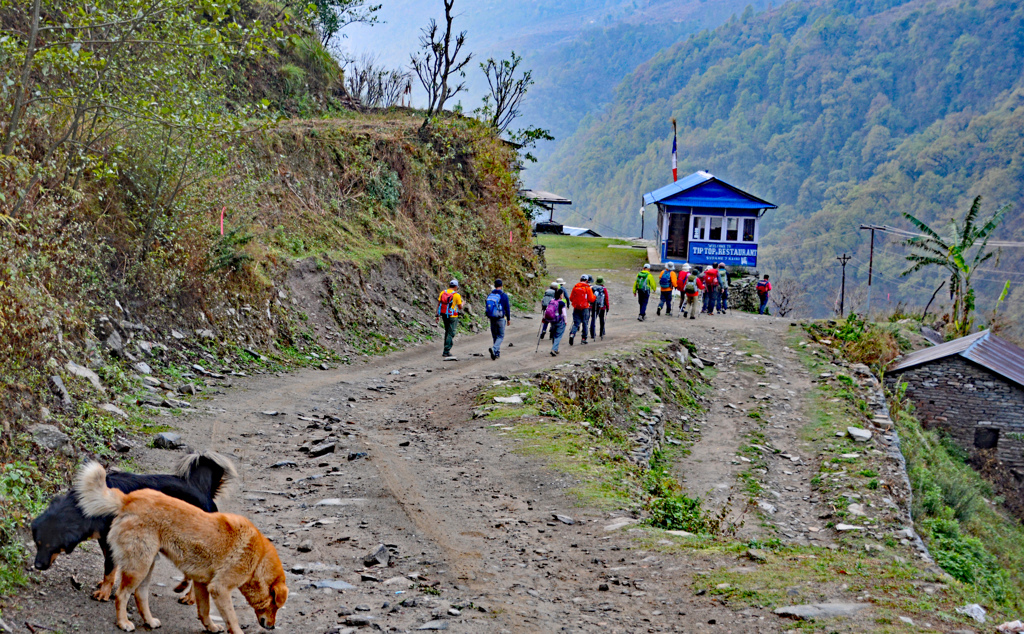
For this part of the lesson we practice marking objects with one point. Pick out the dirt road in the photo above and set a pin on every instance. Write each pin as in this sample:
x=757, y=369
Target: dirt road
x=469, y=521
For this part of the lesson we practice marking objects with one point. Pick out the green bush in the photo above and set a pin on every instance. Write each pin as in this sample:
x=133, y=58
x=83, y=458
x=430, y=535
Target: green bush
x=294, y=78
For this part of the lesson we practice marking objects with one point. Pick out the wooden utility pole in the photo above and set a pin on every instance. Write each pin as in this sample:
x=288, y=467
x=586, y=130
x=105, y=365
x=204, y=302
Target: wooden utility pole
x=871, y=264
x=843, y=259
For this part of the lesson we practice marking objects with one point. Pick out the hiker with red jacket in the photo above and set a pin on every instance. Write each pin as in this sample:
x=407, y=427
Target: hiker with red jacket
x=764, y=287
x=711, y=289
x=691, y=290
x=581, y=298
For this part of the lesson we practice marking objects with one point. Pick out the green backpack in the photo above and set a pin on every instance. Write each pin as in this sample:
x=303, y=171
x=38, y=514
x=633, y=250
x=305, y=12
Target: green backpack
x=643, y=281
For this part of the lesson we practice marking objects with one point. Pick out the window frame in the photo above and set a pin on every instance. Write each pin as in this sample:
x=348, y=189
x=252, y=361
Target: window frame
x=704, y=223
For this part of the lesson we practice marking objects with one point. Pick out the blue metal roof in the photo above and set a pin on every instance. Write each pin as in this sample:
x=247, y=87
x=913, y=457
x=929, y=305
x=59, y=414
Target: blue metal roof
x=702, y=189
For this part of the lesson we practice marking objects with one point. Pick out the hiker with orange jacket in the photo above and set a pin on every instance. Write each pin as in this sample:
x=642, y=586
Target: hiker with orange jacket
x=581, y=298
x=449, y=303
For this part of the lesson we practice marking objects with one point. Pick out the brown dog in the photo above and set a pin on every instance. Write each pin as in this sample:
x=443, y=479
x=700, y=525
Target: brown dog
x=217, y=551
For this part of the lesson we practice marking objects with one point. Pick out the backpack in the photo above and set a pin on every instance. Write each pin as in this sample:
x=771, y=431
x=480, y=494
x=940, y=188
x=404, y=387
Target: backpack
x=600, y=292
x=690, y=288
x=493, y=306
x=711, y=280
x=762, y=287
x=642, y=281
x=666, y=279
x=548, y=296
x=553, y=313
x=446, y=305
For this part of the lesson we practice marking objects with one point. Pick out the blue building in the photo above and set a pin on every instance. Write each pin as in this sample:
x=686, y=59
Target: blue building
x=704, y=220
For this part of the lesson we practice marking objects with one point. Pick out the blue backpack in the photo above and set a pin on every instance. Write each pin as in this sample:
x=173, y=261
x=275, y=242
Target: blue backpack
x=494, y=310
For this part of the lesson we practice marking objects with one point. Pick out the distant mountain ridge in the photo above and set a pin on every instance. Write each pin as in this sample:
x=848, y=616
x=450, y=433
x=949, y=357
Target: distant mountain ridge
x=840, y=112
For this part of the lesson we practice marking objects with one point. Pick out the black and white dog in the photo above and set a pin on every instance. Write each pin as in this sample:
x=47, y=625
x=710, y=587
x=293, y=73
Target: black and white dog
x=200, y=479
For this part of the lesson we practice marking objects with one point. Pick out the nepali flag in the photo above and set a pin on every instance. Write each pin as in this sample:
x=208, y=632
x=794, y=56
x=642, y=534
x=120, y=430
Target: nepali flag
x=675, y=171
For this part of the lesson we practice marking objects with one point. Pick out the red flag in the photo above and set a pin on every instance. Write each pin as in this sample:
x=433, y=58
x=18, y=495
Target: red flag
x=675, y=171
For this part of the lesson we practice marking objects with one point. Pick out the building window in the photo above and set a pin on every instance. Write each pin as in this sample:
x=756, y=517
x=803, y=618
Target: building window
x=732, y=229
x=748, y=229
x=699, y=227
x=715, y=232
x=986, y=437
x=723, y=229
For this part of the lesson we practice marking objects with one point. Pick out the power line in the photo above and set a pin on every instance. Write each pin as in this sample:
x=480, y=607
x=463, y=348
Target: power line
x=911, y=234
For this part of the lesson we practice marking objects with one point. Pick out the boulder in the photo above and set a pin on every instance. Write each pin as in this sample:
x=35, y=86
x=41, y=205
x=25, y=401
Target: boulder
x=85, y=373
x=821, y=610
x=56, y=385
x=168, y=440
x=858, y=434
x=48, y=437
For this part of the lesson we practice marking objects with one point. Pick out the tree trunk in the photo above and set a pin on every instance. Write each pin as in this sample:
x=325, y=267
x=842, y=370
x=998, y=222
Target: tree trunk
x=19, y=99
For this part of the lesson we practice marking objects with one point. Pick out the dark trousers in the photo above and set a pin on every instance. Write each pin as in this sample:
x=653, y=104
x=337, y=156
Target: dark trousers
x=497, y=334
x=580, y=321
x=666, y=301
x=763, y=309
x=710, y=299
x=595, y=315
x=450, y=324
x=723, y=300
x=643, y=297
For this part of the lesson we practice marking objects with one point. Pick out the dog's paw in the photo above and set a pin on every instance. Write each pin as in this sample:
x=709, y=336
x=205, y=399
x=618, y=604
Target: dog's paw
x=213, y=627
x=127, y=626
x=101, y=594
x=153, y=623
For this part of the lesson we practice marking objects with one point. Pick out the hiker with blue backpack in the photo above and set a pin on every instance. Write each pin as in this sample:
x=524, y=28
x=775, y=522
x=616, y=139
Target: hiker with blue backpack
x=499, y=313
x=642, y=287
x=666, y=283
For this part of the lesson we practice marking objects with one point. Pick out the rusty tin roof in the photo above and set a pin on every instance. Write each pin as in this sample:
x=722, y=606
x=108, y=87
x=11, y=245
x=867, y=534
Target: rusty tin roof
x=983, y=348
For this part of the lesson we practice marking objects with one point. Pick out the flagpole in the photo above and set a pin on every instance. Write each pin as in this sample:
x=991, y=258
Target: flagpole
x=675, y=170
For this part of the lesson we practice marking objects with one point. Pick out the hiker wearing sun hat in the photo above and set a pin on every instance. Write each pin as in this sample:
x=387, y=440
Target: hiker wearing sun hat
x=449, y=303
x=600, y=308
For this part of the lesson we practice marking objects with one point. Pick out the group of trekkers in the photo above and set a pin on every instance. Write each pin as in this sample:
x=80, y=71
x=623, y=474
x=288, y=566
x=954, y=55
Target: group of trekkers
x=589, y=301
x=711, y=284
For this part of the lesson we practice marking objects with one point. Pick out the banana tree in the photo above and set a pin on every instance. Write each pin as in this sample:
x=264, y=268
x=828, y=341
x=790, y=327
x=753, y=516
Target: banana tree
x=960, y=253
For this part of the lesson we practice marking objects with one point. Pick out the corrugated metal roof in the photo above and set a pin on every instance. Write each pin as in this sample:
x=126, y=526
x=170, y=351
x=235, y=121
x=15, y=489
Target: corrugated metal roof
x=984, y=348
x=702, y=189
x=579, y=231
x=544, y=197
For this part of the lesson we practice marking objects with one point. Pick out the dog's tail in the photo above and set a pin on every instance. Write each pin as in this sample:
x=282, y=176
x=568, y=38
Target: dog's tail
x=209, y=471
x=94, y=497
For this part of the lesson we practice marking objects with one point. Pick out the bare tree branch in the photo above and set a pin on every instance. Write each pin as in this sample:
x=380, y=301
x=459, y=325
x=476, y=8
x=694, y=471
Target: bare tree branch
x=439, y=61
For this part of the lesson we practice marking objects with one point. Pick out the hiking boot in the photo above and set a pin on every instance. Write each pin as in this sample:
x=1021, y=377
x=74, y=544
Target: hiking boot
x=692, y=317
x=554, y=354
x=446, y=354
x=584, y=342
x=659, y=311
x=570, y=339
x=639, y=317
x=491, y=350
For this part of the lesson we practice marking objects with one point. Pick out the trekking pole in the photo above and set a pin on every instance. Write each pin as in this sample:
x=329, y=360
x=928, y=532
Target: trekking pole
x=540, y=335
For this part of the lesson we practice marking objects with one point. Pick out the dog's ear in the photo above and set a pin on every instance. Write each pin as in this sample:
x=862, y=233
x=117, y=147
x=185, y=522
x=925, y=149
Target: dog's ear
x=280, y=592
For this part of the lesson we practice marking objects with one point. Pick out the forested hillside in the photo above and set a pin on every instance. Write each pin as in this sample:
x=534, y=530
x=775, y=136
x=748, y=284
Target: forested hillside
x=841, y=113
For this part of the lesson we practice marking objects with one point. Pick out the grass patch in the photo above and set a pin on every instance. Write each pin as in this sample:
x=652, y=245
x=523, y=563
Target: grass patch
x=590, y=253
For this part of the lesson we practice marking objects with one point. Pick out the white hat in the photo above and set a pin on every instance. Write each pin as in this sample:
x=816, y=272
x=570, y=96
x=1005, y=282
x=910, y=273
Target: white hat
x=584, y=277
x=685, y=266
x=554, y=285
x=560, y=281
x=647, y=267
x=670, y=266
x=453, y=283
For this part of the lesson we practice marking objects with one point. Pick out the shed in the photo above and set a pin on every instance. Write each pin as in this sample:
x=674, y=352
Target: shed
x=580, y=231
x=704, y=220
x=973, y=388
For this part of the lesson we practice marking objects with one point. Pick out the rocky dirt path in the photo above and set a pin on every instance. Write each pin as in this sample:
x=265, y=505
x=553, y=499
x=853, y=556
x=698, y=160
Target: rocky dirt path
x=468, y=523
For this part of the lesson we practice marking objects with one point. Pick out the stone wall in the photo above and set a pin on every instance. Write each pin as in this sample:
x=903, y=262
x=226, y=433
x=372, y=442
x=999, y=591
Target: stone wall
x=977, y=407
